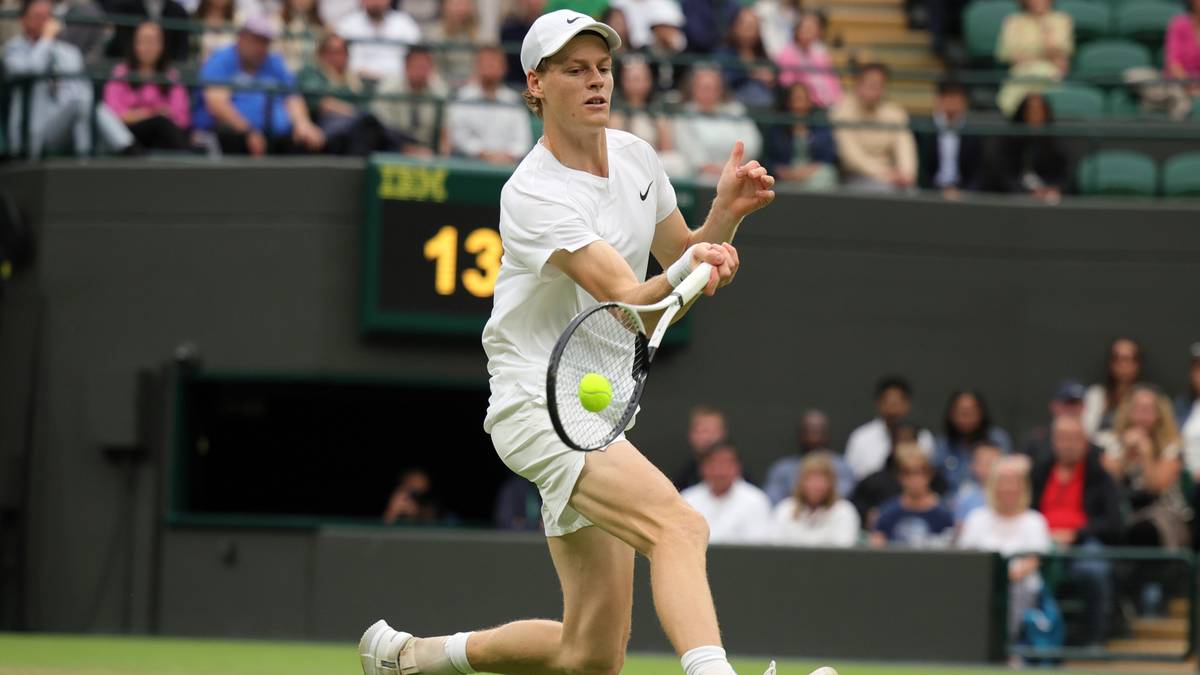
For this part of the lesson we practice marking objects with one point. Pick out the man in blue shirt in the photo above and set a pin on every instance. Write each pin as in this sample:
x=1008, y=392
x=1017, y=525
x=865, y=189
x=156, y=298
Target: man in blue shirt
x=254, y=121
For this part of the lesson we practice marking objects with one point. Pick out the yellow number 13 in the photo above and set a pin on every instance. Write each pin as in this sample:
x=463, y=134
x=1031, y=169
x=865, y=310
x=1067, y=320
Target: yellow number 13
x=480, y=281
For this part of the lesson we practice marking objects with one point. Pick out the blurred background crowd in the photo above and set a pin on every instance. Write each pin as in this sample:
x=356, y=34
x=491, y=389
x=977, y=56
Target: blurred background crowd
x=878, y=95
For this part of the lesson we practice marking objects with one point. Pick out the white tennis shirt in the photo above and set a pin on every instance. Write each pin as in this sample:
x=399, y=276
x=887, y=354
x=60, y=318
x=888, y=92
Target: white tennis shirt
x=545, y=207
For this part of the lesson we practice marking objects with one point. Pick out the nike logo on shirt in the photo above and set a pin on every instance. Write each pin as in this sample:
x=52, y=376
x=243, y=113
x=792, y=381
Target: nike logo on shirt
x=647, y=192
x=574, y=20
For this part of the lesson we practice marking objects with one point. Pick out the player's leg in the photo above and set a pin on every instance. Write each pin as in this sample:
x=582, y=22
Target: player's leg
x=596, y=573
x=623, y=493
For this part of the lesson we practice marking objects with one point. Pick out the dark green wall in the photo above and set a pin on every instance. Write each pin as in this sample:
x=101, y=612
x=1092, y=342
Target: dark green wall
x=257, y=263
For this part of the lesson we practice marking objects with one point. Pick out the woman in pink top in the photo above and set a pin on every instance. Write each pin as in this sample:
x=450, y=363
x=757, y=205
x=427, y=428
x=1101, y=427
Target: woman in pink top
x=156, y=112
x=808, y=61
x=1183, y=48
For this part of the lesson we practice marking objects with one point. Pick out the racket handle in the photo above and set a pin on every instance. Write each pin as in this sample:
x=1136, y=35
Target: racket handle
x=693, y=283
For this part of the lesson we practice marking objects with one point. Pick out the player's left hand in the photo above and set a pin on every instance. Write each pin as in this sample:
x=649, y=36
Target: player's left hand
x=744, y=188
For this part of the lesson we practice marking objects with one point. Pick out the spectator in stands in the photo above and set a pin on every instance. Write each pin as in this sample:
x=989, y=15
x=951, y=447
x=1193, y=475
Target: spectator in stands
x=1083, y=510
x=950, y=160
x=812, y=436
x=945, y=23
x=706, y=428
x=155, y=112
x=412, y=500
x=175, y=40
x=1038, y=43
x=1187, y=413
x=712, y=124
x=60, y=108
x=249, y=121
x=869, y=445
x=917, y=518
x=778, y=19
x=457, y=36
x=1032, y=164
x=815, y=514
x=1008, y=526
x=487, y=120
x=874, y=159
x=518, y=505
x=216, y=16
x=808, y=61
x=82, y=27
x=667, y=42
x=513, y=30
x=300, y=27
x=971, y=493
x=417, y=120
x=882, y=486
x=615, y=18
x=637, y=112
x=736, y=511
x=1142, y=453
x=348, y=128
x=1068, y=400
x=747, y=71
x=1123, y=369
x=802, y=152
x=379, y=35
x=1181, y=53
x=706, y=22
x=965, y=423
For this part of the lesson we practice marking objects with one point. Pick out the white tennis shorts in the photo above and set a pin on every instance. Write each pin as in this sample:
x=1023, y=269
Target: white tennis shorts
x=528, y=445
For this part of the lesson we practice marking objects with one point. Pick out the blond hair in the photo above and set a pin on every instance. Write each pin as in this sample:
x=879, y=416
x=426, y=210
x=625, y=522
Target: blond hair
x=910, y=455
x=1165, y=433
x=1018, y=464
x=817, y=462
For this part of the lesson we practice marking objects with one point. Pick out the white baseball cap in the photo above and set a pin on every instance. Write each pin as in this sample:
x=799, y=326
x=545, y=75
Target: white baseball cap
x=552, y=31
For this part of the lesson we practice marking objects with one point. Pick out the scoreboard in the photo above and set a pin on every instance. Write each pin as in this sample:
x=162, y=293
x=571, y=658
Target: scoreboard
x=432, y=244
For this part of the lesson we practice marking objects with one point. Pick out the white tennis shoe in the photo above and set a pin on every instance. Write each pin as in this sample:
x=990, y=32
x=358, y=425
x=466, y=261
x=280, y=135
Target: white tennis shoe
x=381, y=649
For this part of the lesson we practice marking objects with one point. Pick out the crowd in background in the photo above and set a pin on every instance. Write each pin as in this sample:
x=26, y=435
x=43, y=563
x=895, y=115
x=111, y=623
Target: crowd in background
x=344, y=74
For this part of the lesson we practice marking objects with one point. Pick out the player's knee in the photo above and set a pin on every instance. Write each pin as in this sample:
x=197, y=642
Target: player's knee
x=593, y=663
x=682, y=527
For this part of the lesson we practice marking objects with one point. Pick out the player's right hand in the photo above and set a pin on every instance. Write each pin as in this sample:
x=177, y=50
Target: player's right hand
x=723, y=258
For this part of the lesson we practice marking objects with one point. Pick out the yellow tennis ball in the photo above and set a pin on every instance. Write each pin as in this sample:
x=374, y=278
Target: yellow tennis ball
x=595, y=392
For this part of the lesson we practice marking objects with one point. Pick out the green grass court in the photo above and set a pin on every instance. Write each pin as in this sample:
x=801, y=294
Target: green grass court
x=71, y=655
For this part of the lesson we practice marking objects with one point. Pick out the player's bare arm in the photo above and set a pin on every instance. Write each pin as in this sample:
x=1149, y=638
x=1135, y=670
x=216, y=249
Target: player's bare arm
x=601, y=271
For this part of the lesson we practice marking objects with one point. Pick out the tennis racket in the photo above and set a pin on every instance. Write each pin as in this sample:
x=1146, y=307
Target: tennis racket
x=609, y=339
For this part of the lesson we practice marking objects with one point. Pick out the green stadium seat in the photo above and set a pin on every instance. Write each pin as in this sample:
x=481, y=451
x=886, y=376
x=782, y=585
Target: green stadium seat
x=1181, y=175
x=981, y=22
x=1117, y=172
x=1145, y=21
x=1076, y=101
x=1122, y=104
x=1106, y=60
x=1092, y=19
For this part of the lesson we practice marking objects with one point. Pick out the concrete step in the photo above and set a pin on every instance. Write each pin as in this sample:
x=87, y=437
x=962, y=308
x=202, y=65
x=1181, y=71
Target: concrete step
x=827, y=5
x=1129, y=667
x=905, y=58
x=875, y=36
x=1179, y=607
x=1169, y=628
x=1148, y=646
x=888, y=17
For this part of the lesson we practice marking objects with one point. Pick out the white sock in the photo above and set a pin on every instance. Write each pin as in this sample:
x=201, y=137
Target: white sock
x=706, y=661
x=456, y=651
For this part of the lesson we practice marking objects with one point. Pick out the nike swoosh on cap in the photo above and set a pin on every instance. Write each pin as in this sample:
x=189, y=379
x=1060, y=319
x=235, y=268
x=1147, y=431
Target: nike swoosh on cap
x=574, y=20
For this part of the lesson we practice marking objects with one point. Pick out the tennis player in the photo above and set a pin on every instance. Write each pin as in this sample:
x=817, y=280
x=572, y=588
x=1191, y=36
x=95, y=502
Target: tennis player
x=579, y=218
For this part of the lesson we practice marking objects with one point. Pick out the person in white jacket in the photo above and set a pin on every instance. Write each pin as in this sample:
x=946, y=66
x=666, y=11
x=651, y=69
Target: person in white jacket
x=815, y=515
x=709, y=124
x=737, y=512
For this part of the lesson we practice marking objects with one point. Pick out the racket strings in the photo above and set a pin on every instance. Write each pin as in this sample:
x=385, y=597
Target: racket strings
x=605, y=342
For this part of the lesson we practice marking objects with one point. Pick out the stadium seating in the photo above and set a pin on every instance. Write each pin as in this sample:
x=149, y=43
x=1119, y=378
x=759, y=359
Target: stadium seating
x=1092, y=19
x=1181, y=175
x=981, y=22
x=1105, y=60
x=1077, y=101
x=1117, y=172
x=1122, y=104
x=1145, y=21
